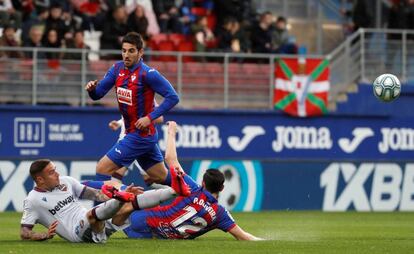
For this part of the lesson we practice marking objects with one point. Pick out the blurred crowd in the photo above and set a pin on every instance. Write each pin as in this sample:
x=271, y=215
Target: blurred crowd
x=395, y=14
x=210, y=25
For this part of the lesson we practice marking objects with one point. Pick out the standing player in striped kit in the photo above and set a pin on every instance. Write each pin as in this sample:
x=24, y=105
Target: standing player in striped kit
x=135, y=85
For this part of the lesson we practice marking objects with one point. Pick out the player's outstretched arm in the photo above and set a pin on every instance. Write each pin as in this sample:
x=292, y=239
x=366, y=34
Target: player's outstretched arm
x=171, y=157
x=240, y=234
x=93, y=194
x=27, y=233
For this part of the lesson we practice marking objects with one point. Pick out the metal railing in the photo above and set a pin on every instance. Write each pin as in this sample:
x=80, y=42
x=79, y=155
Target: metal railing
x=368, y=53
x=203, y=80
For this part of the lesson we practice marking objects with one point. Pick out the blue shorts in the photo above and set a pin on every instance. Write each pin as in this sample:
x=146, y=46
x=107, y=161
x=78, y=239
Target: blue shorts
x=139, y=227
x=134, y=147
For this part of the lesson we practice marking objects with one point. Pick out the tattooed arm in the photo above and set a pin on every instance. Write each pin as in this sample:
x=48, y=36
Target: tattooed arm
x=93, y=194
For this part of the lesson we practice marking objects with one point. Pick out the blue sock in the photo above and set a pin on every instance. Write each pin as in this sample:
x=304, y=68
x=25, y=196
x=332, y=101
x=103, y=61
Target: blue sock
x=94, y=184
x=102, y=177
x=167, y=180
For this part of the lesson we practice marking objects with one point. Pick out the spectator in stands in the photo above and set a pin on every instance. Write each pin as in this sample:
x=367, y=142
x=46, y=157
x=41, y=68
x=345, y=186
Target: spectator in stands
x=77, y=42
x=280, y=38
x=187, y=18
x=51, y=40
x=38, y=20
x=25, y=7
x=91, y=13
x=138, y=22
x=410, y=17
x=261, y=35
x=242, y=10
x=42, y=4
x=362, y=14
x=398, y=18
x=153, y=27
x=35, y=40
x=9, y=14
x=9, y=40
x=231, y=37
x=56, y=22
x=114, y=29
x=202, y=34
x=168, y=16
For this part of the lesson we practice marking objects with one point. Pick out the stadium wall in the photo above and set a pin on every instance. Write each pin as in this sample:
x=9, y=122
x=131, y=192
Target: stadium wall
x=271, y=161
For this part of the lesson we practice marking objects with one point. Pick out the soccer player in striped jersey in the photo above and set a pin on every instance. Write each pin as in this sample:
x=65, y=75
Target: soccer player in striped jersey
x=187, y=217
x=135, y=85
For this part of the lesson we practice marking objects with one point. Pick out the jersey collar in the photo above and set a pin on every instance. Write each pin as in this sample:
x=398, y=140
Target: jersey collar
x=210, y=197
x=135, y=66
x=38, y=189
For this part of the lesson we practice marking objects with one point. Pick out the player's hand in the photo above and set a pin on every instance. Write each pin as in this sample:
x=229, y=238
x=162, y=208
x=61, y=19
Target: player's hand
x=91, y=85
x=143, y=123
x=136, y=190
x=114, y=125
x=51, y=231
x=172, y=127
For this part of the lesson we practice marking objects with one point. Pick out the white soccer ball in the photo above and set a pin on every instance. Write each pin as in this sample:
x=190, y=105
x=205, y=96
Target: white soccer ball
x=387, y=87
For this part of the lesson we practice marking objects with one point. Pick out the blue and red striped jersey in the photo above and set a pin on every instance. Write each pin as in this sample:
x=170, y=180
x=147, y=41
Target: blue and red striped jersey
x=189, y=217
x=135, y=88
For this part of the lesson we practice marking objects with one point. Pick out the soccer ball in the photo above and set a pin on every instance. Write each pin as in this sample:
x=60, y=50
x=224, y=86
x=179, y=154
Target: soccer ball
x=387, y=87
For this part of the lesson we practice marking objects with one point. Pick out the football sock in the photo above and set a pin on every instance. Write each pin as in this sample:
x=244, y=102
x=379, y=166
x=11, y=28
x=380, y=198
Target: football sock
x=107, y=209
x=152, y=198
x=157, y=186
x=167, y=180
x=94, y=184
x=102, y=177
x=117, y=177
x=98, y=185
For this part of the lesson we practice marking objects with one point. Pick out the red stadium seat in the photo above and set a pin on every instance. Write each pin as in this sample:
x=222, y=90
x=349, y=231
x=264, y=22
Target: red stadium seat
x=211, y=21
x=166, y=45
x=155, y=40
x=199, y=11
x=186, y=46
x=177, y=38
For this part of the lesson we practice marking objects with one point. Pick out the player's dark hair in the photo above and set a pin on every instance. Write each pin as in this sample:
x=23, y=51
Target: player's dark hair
x=38, y=166
x=134, y=39
x=213, y=180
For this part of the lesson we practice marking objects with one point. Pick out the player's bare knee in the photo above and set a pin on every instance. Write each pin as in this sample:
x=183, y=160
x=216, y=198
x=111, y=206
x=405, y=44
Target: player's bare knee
x=91, y=218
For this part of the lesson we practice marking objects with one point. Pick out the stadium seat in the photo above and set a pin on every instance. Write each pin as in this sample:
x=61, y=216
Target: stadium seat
x=211, y=21
x=186, y=46
x=177, y=38
x=166, y=45
x=156, y=39
x=199, y=11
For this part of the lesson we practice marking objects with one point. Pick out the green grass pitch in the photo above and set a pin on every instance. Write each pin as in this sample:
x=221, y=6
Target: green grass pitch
x=287, y=232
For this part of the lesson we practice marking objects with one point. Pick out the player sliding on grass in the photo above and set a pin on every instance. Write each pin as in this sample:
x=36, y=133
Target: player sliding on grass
x=54, y=203
x=187, y=217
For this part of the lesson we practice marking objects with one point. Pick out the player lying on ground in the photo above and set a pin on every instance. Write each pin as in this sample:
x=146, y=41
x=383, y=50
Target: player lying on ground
x=187, y=217
x=54, y=203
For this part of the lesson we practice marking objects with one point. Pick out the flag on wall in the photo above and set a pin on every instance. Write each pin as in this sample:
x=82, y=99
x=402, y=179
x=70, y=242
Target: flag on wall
x=302, y=86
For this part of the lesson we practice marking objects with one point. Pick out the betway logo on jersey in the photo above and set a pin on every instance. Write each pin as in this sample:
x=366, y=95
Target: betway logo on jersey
x=124, y=95
x=61, y=204
x=369, y=187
